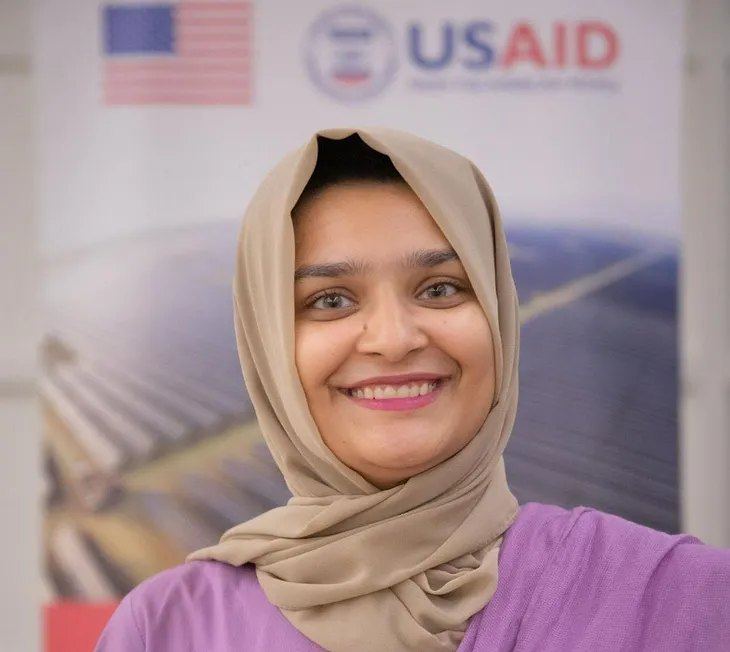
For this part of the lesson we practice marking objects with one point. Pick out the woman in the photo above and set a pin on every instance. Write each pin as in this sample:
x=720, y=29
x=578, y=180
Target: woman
x=377, y=326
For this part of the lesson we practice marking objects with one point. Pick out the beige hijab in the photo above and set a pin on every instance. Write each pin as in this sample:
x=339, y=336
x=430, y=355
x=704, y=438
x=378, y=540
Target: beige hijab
x=354, y=568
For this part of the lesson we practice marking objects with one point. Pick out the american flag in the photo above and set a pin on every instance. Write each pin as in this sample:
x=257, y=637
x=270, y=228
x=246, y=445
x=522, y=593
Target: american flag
x=178, y=53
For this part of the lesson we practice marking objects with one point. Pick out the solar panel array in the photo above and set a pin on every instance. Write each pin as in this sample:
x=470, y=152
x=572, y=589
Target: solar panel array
x=151, y=447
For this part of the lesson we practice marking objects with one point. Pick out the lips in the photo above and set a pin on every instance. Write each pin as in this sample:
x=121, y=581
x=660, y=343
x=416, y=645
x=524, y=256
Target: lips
x=406, y=396
x=391, y=392
x=396, y=382
x=380, y=392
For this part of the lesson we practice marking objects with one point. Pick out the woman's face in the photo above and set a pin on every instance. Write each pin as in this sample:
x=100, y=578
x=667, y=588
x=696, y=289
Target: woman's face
x=392, y=348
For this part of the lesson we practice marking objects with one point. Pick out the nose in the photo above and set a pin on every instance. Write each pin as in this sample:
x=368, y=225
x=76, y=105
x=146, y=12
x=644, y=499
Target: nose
x=390, y=329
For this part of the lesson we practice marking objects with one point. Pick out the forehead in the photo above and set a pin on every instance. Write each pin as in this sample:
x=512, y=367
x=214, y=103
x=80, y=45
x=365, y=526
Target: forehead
x=365, y=220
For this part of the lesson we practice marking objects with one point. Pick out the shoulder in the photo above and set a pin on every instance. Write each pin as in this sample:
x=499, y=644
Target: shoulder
x=587, y=538
x=668, y=567
x=553, y=529
x=193, y=582
x=538, y=532
x=194, y=590
x=168, y=610
x=600, y=571
x=591, y=536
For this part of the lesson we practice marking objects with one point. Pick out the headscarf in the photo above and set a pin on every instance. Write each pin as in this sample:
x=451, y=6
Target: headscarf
x=352, y=567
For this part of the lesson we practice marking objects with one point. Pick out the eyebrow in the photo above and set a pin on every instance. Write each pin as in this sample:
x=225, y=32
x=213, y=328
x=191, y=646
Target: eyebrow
x=422, y=258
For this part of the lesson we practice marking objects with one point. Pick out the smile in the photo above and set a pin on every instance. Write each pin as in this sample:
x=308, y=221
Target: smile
x=407, y=396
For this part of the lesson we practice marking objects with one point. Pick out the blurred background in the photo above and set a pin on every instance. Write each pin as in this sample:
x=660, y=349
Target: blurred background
x=132, y=136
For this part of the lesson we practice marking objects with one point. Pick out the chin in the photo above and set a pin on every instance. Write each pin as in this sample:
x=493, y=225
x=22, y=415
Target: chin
x=403, y=462
x=386, y=474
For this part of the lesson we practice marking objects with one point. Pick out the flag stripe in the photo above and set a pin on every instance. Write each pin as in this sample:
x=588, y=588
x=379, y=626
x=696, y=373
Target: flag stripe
x=215, y=18
x=216, y=7
x=120, y=70
x=211, y=27
x=238, y=54
x=180, y=98
x=224, y=81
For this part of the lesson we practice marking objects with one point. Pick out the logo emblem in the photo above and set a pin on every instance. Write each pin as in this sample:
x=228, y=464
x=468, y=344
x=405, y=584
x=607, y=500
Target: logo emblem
x=351, y=53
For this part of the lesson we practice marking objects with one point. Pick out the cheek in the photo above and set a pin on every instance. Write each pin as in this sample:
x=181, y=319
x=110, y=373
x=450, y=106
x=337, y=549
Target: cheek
x=467, y=338
x=320, y=349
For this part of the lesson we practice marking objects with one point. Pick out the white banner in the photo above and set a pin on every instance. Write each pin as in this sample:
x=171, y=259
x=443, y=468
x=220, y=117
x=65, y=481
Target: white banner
x=571, y=109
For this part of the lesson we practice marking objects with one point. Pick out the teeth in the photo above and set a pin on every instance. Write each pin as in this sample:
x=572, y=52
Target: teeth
x=390, y=391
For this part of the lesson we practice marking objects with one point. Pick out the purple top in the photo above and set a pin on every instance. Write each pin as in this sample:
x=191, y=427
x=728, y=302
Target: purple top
x=569, y=581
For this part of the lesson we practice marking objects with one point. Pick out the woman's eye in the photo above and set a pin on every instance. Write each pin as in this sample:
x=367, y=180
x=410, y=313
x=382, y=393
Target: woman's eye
x=331, y=302
x=440, y=291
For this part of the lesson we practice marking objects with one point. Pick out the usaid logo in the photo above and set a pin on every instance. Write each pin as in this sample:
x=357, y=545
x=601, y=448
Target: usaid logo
x=351, y=53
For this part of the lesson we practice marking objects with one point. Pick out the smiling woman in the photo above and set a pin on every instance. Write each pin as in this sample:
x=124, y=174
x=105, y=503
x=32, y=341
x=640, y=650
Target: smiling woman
x=378, y=332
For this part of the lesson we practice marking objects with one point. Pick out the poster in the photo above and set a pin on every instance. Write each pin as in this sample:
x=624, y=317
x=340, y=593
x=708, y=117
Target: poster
x=157, y=122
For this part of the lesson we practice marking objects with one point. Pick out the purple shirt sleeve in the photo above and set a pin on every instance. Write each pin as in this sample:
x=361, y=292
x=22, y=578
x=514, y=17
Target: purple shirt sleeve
x=585, y=581
x=122, y=633
x=621, y=586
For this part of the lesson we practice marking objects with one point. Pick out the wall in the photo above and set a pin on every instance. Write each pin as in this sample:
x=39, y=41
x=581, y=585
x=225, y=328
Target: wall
x=705, y=310
x=19, y=424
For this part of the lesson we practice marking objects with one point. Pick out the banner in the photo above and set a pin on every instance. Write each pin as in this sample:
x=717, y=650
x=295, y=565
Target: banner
x=158, y=121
